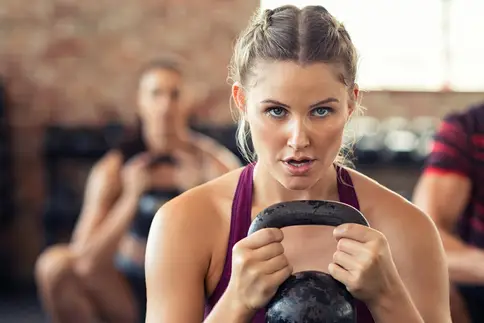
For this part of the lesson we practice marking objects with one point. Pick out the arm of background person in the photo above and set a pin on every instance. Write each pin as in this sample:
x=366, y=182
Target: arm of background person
x=443, y=192
x=219, y=159
x=106, y=213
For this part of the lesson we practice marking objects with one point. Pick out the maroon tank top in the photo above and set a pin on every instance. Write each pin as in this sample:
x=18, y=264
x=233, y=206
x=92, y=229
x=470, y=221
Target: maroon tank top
x=240, y=223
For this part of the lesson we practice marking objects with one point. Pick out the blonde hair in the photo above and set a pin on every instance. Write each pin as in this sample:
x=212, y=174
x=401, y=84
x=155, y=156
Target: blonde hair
x=287, y=33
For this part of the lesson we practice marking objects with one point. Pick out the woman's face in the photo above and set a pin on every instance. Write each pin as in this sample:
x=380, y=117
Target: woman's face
x=158, y=100
x=297, y=116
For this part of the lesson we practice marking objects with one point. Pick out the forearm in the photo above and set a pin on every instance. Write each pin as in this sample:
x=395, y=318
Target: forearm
x=226, y=311
x=396, y=308
x=103, y=242
x=466, y=263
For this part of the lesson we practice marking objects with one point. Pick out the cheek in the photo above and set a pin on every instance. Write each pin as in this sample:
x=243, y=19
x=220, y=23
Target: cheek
x=265, y=134
x=330, y=134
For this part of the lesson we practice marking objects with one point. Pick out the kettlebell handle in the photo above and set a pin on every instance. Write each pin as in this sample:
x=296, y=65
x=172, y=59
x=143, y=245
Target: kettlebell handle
x=162, y=159
x=307, y=212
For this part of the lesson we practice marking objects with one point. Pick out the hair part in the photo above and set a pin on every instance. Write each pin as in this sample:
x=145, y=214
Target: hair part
x=287, y=33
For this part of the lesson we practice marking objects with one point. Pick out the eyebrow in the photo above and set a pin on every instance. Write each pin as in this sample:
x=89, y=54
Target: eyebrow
x=325, y=101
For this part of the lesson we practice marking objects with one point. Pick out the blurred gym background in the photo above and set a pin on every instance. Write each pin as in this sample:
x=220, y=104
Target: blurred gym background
x=66, y=94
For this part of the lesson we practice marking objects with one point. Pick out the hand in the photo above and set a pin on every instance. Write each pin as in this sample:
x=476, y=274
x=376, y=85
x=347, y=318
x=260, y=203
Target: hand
x=363, y=263
x=135, y=175
x=259, y=266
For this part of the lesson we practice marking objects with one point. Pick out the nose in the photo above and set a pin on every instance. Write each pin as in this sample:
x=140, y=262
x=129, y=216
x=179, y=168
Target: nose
x=164, y=106
x=298, y=136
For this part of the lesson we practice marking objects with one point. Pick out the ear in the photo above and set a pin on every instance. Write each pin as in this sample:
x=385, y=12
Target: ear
x=356, y=92
x=354, y=99
x=238, y=93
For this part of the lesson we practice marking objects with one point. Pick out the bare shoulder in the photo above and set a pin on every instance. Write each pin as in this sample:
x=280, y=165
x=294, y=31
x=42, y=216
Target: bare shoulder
x=207, y=143
x=219, y=155
x=411, y=233
x=108, y=166
x=387, y=210
x=104, y=177
x=202, y=207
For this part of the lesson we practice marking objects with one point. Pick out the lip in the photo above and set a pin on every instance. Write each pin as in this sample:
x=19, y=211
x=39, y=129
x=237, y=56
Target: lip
x=298, y=170
x=297, y=158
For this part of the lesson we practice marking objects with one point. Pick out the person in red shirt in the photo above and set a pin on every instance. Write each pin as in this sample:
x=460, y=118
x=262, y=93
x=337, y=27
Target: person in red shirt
x=451, y=191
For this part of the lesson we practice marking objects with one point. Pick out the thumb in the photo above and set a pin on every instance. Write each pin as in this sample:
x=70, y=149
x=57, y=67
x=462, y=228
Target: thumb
x=142, y=159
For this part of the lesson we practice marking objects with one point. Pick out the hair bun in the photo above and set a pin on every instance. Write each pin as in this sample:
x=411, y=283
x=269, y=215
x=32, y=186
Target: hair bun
x=267, y=18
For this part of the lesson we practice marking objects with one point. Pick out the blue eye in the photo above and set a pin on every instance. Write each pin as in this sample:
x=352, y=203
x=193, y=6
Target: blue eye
x=276, y=112
x=320, y=112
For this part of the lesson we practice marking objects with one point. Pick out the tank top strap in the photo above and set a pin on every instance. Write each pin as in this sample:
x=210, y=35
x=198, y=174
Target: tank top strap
x=239, y=226
x=346, y=190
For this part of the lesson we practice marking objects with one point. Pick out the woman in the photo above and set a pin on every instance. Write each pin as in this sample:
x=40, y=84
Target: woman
x=80, y=281
x=294, y=72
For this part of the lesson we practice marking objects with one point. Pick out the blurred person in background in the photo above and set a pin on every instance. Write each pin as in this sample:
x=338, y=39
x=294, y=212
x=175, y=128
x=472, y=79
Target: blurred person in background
x=100, y=274
x=451, y=191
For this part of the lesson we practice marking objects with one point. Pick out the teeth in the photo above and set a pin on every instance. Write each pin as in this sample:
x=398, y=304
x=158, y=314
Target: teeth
x=298, y=163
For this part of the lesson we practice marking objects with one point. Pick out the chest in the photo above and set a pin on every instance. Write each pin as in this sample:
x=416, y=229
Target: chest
x=309, y=247
x=182, y=175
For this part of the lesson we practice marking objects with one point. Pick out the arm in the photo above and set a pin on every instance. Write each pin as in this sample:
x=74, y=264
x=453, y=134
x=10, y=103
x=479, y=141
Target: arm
x=105, y=215
x=432, y=195
x=421, y=292
x=443, y=192
x=178, y=255
x=101, y=192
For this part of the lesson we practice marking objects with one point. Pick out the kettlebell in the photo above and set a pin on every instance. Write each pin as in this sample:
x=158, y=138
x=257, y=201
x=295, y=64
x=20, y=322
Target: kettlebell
x=309, y=296
x=163, y=159
x=152, y=199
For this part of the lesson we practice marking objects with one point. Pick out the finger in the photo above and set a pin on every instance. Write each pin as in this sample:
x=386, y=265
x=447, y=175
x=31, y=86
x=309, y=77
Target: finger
x=263, y=237
x=145, y=158
x=278, y=277
x=339, y=273
x=269, y=251
x=183, y=155
x=140, y=159
x=356, y=232
x=274, y=264
x=346, y=261
x=351, y=247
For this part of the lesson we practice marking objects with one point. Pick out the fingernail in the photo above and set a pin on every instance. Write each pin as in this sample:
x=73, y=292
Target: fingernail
x=339, y=230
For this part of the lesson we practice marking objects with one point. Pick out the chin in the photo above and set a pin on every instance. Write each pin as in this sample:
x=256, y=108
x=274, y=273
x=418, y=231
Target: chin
x=298, y=183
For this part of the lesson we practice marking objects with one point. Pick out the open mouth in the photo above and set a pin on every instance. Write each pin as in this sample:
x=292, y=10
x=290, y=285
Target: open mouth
x=298, y=163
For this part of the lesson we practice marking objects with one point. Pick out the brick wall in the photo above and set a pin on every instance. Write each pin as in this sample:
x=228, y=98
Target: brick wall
x=72, y=62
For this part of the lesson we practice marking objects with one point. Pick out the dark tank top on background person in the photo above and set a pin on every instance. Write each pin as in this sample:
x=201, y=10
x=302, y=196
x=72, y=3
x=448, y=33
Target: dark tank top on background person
x=239, y=226
x=148, y=204
x=151, y=200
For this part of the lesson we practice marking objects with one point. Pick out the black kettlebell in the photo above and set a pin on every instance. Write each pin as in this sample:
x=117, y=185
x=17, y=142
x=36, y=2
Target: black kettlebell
x=162, y=160
x=309, y=296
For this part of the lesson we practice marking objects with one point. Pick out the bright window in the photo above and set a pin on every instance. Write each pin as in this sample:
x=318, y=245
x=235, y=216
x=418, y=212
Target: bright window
x=404, y=44
x=466, y=53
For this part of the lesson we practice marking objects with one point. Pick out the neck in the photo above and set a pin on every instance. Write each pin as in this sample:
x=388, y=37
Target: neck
x=158, y=142
x=268, y=191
